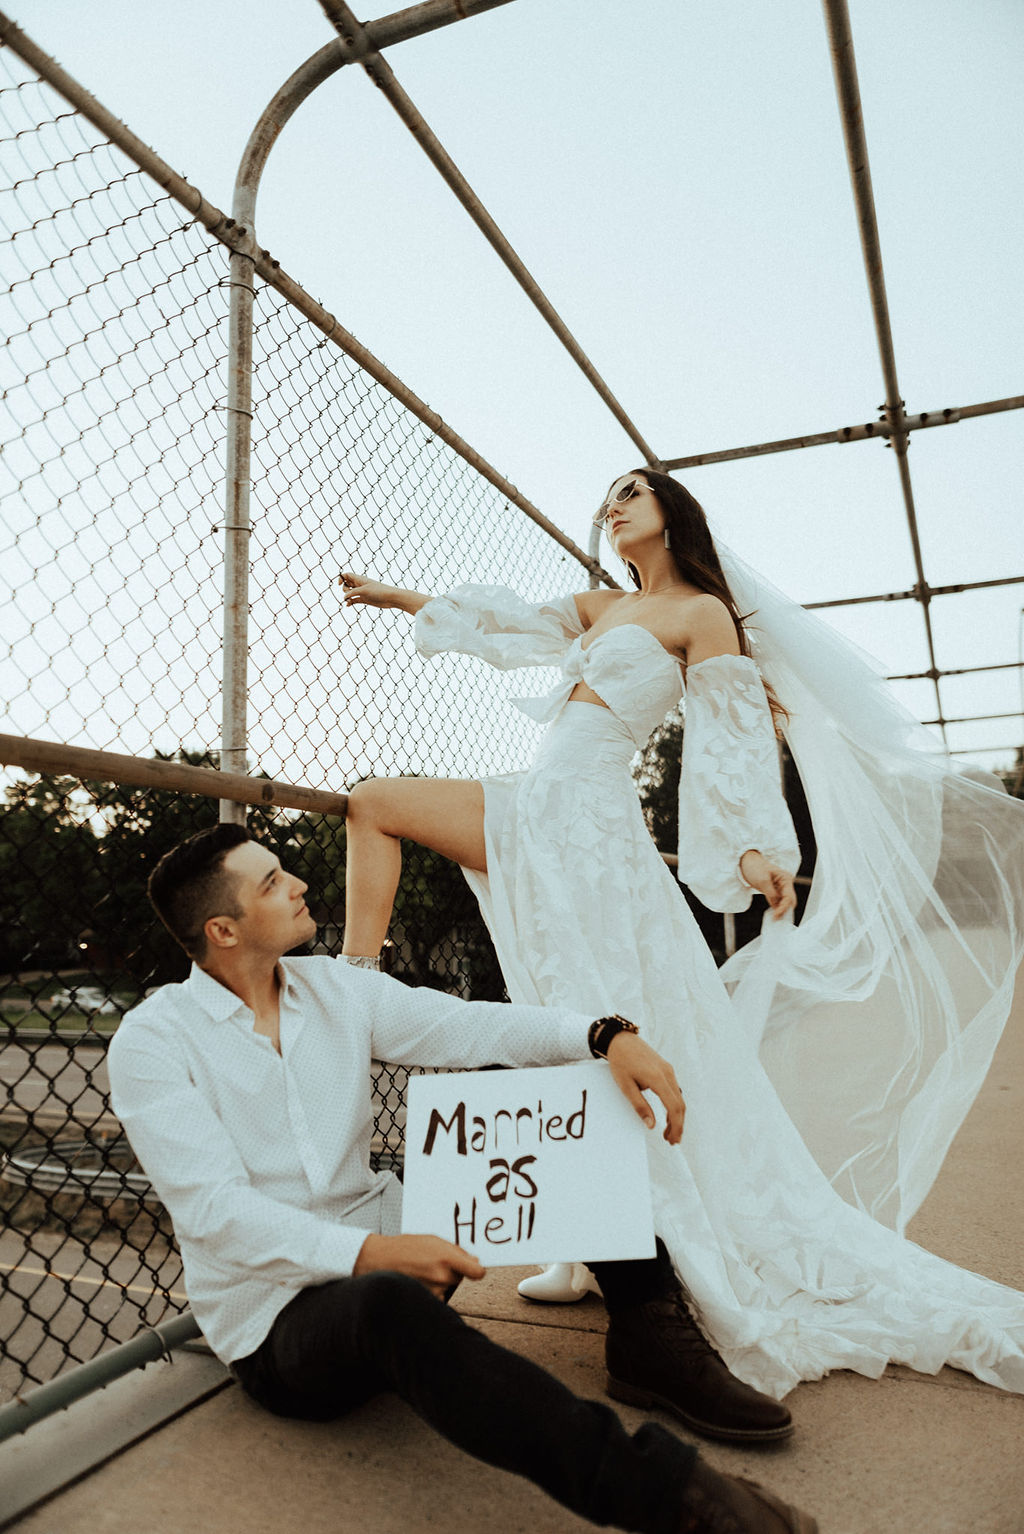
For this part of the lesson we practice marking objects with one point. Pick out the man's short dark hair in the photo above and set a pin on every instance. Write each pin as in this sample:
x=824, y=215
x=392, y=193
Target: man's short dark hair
x=189, y=885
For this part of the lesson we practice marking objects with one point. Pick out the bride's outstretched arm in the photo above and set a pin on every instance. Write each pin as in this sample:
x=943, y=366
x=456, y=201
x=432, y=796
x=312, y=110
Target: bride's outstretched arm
x=360, y=590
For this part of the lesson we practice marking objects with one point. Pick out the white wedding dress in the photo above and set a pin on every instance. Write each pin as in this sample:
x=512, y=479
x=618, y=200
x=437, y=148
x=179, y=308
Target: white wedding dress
x=826, y=1067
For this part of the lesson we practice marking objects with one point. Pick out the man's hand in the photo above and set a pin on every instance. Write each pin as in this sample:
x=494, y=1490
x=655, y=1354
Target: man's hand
x=434, y=1261
x=636, y=1068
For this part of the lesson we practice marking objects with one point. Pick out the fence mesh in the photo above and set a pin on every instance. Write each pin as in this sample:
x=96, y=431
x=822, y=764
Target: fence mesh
x=113, y=387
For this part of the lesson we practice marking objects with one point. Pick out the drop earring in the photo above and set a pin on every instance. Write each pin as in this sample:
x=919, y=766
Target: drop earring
x=668, y=539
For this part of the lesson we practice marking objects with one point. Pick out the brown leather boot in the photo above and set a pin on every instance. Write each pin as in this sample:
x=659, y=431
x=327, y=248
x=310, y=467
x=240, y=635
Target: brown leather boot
x=657, y=1355
x=725, y=1504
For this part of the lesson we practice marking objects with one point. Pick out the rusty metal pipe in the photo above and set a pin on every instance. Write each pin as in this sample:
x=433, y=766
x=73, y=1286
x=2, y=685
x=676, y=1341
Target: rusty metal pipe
x=984, y=750
x=237, y=530
x=912, y=594
x=82, y=762
x=926, y=676
x=1015, y=713
x=844, y=64
x=868, y=431
x=415, y=20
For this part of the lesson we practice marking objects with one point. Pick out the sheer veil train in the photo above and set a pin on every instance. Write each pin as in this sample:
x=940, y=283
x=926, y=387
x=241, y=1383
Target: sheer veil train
x=878, y=1015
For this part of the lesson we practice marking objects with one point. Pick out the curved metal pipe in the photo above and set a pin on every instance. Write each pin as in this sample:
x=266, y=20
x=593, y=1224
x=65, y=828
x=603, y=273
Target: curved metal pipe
x=355, y=43
x=318, y=68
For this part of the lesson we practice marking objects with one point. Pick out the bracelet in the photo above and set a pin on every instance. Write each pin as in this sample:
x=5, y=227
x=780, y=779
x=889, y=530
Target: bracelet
x=601, y=1033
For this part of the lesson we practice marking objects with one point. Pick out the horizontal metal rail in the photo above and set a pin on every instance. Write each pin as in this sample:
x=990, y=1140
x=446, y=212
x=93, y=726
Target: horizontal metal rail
x=415, y=20
x=926, y=676
x=912, y=594
x=1014, y=745
x=1015, y=713
x=869, y=431
x=148, y=1347
x=46, y=756
x=59, y=1167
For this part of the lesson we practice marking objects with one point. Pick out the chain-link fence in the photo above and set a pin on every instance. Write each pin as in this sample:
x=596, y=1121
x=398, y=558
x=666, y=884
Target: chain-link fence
x=113, y=380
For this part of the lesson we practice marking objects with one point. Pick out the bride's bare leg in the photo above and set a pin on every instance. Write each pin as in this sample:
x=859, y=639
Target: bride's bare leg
x=445, y=814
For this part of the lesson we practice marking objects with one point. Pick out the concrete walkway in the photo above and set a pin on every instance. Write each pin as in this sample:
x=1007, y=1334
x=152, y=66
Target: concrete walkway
x=907, y=1454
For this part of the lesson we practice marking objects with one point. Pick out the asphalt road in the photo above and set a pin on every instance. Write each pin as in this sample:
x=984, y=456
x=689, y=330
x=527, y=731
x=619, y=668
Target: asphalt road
x=56, y=1292
x=53, y=1082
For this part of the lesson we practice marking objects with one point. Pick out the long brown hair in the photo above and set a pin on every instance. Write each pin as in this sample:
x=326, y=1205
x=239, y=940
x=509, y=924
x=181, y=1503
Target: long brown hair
x=696, y=558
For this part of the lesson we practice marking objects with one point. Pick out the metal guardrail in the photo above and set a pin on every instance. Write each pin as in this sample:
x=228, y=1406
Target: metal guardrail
x=71, y=1166
x=148, y=1347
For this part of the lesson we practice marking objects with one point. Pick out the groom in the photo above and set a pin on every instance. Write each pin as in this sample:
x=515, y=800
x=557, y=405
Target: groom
x=245, y=1093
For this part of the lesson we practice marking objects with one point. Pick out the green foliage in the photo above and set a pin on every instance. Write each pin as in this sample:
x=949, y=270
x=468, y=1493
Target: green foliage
x=657, y=780
x=75, y=859
x=49, y=875
x=435, y=907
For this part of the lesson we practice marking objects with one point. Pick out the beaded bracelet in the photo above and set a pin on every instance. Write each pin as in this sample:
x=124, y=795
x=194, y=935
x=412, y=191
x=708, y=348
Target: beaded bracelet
x=601, y=1033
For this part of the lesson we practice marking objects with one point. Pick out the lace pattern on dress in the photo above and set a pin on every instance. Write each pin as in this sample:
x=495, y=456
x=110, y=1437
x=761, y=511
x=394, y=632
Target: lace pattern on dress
x=730, y=788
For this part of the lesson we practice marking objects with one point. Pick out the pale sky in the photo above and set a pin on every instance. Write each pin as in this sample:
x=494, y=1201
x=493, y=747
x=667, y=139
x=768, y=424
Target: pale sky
x=673, y=174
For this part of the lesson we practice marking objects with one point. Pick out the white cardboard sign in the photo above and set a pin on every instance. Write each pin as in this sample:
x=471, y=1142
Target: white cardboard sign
x=539, y=1165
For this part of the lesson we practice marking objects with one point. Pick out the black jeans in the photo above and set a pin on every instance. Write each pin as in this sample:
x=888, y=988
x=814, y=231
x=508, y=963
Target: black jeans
x=334, y=1346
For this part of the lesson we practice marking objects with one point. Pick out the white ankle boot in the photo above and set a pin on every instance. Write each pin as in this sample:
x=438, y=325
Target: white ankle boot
x=561, y=1284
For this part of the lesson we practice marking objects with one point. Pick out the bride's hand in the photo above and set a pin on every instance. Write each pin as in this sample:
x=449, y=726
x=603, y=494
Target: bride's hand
x=771, y=881
x=360, y=589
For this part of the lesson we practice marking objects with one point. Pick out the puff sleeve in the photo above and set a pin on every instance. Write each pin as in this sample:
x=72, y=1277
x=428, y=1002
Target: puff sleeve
x=730, y=789
x=498, y=627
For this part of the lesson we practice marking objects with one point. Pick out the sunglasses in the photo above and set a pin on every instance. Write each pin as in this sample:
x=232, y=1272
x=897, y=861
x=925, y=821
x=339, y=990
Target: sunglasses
x=630, y=488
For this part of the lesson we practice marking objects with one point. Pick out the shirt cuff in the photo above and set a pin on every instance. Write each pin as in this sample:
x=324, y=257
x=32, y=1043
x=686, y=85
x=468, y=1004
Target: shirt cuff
x=572, y=1030
x=339, y=1249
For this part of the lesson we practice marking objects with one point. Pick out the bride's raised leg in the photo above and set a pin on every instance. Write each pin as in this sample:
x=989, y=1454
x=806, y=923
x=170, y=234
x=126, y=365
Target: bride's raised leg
x=444, y=814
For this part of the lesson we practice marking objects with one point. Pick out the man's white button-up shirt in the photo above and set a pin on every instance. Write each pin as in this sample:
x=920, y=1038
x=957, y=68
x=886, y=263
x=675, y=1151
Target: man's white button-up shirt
x=263, y=1159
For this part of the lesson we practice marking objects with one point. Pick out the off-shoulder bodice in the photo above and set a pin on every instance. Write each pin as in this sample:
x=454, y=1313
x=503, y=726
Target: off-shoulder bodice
x=730, y=797
x=628, y=669
x=625, y=665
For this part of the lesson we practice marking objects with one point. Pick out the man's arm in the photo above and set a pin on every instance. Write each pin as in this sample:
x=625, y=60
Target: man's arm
x=197, y=1173
x=415, y=1025
x=425, y=1027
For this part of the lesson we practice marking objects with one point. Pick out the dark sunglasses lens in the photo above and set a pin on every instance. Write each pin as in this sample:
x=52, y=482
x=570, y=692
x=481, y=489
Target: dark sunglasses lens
x=627, y=491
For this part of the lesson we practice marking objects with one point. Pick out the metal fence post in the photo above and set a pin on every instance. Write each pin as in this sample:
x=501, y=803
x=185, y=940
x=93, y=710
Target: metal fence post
x=237, y=530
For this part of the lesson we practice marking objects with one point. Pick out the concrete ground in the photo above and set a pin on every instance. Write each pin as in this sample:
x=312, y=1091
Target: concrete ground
x=907, y=1454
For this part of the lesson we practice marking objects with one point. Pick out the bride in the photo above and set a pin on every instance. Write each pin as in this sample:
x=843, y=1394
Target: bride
x=826, y=1066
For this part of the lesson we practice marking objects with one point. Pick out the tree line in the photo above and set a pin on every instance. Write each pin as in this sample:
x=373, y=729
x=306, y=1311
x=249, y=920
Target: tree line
x=75, y=858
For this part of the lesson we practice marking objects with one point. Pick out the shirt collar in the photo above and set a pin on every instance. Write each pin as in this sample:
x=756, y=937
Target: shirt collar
x=220, y=1003
x=215, y=999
